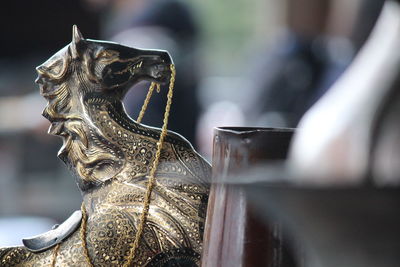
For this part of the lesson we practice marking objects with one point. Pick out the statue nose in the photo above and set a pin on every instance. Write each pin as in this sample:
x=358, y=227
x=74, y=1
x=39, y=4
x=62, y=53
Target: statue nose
x=166, y=57
x=39, y=80
x=159, y=56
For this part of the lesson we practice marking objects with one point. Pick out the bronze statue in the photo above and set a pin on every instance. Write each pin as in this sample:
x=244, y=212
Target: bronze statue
x=111, y=156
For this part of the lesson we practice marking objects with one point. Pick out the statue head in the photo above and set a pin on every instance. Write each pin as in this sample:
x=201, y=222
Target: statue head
x=105, y=67
x=87, y=69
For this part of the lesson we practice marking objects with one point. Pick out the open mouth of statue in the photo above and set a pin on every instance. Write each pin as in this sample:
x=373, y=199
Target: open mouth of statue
x=70, y=131
x=67, y=142
x=56, y=128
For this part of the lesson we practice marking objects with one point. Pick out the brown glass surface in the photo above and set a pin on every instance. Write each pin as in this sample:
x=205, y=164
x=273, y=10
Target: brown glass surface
x=234, y=235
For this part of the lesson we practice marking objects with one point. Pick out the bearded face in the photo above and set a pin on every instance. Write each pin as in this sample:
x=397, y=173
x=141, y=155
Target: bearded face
x=85, y=151
x=99, y=70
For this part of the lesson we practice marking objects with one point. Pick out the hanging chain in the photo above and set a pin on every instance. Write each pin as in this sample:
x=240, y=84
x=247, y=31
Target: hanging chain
x=151, y=177
x=147, y=100
x=55, y=253
x=83, y=235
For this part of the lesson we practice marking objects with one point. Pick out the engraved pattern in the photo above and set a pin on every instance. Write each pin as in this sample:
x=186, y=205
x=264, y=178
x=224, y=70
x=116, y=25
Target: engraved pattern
x=111, y=156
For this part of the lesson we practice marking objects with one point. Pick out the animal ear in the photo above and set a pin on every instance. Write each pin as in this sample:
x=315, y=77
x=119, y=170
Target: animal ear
x=76, y=38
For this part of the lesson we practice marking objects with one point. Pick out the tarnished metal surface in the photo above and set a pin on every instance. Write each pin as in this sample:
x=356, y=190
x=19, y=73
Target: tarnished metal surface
x=111, y=154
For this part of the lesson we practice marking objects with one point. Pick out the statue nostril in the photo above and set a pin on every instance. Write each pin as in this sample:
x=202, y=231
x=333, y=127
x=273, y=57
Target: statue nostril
x=40, y=80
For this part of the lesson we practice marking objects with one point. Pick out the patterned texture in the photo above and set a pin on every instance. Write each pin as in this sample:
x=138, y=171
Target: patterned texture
x=111, y=155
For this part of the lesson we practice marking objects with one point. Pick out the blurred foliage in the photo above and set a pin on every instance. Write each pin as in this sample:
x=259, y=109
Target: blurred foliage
x=234, y=29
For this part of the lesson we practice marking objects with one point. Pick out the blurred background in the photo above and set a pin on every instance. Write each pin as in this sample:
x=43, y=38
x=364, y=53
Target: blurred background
x=239, y=63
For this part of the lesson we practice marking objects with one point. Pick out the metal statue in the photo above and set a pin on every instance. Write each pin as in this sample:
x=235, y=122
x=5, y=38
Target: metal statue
x=111, y=156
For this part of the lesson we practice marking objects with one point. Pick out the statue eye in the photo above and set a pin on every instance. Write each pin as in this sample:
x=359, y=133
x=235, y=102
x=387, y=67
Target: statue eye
x=55, y=68
x=106, y=54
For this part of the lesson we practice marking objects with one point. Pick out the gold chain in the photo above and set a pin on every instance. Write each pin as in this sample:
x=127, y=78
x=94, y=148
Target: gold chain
x=82, y=237
x=55, y=253
x=83, y=234
x=151, y=181
x=150, y=184
x=147, y=100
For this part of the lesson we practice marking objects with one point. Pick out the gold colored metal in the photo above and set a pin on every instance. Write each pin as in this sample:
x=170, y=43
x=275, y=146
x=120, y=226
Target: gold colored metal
x=147, y=100
x=55, y=253
x=83, y=235
x=151, y=182
x=114, y=159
